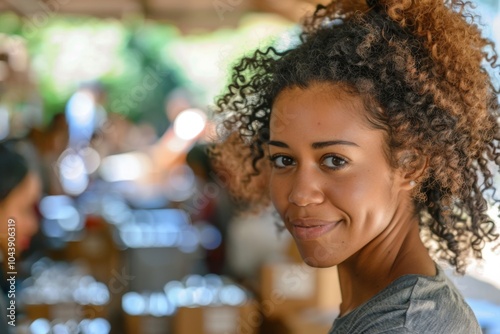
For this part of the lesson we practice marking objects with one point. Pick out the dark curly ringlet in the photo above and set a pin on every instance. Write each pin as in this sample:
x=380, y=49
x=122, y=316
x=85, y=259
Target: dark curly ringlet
x=421, y=68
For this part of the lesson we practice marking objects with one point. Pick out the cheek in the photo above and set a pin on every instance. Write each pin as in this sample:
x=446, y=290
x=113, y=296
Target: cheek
x=358, y=193
x=347, y=188
x=3, y=216
x=278, y=192
x=365, y=190
x=26, y=223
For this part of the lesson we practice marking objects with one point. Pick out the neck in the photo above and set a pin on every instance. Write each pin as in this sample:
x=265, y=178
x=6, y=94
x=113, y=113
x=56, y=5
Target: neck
x=397, y=251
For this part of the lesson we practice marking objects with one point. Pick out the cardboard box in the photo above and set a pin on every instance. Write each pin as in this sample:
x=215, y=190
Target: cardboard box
x=65, y=311
x=289, y=287
x=148, y=324
x=224, y=319
x=310, y=321
x=292, y=252
x=96, y=250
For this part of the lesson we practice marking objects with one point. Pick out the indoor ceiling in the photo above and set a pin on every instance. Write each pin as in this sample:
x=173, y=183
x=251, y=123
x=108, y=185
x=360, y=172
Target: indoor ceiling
x=188, y=15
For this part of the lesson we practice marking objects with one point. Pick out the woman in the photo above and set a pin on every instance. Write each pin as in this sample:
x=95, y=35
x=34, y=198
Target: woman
x=19, y=193
x=382, y=131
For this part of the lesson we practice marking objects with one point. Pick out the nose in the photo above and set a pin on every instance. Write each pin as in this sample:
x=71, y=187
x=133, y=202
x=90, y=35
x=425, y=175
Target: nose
x=306, y=189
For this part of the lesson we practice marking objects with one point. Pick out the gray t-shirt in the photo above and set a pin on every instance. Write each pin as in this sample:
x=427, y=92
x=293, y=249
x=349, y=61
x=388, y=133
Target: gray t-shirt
x=412, y=304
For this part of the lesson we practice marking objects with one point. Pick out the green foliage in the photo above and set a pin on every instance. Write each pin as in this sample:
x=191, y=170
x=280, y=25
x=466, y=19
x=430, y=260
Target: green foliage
x=10, y=23
x=138, y=62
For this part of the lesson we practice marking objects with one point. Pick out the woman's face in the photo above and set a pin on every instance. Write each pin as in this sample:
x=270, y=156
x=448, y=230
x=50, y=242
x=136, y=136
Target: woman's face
x=20, y=207
x=330, y=181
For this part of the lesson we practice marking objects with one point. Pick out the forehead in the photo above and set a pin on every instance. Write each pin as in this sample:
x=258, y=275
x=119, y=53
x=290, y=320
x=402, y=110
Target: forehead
x=320, y=110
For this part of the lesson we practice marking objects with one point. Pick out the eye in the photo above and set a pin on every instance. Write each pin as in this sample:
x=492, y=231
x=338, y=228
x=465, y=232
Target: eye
x=333, y=162
x=281, y=161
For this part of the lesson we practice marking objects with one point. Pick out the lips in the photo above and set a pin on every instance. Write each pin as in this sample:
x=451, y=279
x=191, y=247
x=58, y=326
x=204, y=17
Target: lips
x=310, y=229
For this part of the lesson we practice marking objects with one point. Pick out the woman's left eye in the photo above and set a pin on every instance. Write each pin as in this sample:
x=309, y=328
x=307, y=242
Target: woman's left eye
x=333, y=161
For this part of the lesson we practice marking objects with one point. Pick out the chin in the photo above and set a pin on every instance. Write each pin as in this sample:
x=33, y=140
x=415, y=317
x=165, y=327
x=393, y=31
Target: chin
x=320, y=258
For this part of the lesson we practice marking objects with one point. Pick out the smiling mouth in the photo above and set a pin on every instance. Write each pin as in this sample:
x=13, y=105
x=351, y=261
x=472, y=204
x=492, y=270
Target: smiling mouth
x=310, y=230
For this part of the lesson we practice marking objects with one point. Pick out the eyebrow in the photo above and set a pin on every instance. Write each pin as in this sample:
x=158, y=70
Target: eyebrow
x=316, y=145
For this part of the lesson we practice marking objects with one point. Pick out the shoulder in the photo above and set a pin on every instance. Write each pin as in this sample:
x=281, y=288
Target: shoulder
x=412, y=304
x=437, y=306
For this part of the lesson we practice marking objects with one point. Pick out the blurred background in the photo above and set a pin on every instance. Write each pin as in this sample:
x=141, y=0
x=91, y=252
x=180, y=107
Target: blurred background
x=108, y=104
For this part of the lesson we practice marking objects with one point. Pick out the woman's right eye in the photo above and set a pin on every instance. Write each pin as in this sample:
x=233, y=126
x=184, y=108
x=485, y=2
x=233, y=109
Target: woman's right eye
x=281, y=161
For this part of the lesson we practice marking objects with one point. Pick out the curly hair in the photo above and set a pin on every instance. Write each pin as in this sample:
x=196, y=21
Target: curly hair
x=422, y=69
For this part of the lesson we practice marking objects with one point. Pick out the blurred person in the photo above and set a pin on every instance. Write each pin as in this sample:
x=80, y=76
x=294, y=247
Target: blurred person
x=42, y=148
x=47, y=145
x=19, y=195
x=119, y=135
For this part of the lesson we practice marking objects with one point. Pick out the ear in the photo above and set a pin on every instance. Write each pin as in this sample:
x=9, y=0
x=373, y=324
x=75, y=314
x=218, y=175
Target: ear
x=413, y=167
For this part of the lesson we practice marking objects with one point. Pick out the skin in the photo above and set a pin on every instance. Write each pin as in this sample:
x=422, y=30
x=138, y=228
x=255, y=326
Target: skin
x=337, y=194
x=20, y=206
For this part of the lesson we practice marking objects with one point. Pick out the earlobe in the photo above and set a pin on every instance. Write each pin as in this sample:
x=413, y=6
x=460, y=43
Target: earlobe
x=413, y=166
